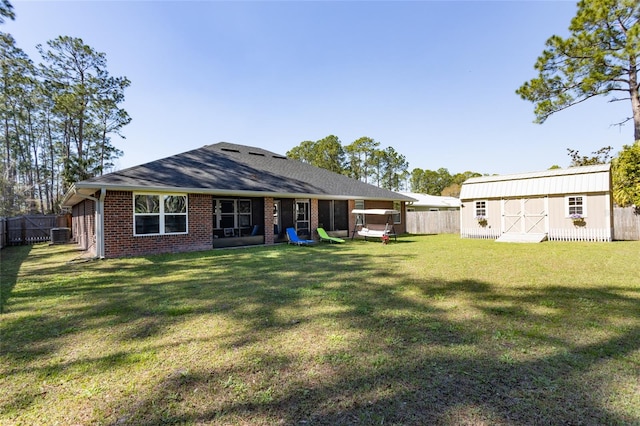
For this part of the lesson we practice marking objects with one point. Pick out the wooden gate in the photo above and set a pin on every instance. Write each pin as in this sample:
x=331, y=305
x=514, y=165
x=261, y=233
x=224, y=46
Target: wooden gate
x=31, y=229
x=524, y=215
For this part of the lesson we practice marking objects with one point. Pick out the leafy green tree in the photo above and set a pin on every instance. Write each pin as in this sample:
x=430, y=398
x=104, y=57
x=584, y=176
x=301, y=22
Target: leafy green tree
x=85, y=99
x=453, y=189
x=358, y=158
x=330, y=154
x=6, y=11
x=430, y=181
x=459, y=178
x=601, y=156
x=17, y=103
x=304, y=152
x=388, y=169
x=599, y=58
x=394, y=169
x=57, y=122
x=327, y=153
x=626, y=176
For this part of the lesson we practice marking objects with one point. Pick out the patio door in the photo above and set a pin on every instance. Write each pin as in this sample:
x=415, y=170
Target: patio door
x=277, y=219
x=303, y=217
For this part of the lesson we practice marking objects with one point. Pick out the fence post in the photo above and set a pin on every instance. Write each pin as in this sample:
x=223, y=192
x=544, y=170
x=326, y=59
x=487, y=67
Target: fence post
x=23, y=231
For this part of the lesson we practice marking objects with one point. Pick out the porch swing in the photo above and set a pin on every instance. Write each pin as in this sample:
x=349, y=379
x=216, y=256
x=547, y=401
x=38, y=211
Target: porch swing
x=374, y=230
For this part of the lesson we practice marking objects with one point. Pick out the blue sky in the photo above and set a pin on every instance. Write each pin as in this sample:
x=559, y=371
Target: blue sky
x=434, y=80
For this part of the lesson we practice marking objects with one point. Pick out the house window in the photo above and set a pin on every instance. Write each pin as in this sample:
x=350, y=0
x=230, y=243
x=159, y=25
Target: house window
x=232, y=213
x=158, y=214
x=397, y=218
x=481, y=209
x=576, y=205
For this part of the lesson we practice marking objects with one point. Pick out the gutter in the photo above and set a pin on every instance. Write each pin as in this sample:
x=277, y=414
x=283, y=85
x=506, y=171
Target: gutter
x=244, y=193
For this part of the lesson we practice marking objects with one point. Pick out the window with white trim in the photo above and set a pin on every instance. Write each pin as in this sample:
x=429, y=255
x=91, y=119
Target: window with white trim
x=480, y=209
x=159, y=214
x=576, y=205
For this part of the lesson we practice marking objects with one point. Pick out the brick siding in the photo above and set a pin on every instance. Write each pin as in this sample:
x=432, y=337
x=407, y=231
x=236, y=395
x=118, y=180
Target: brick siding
x=269, y=238
x=119, y=240
x=314, y=218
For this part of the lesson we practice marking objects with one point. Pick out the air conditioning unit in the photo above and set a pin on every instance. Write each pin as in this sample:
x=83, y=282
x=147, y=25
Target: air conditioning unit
x=60, y=235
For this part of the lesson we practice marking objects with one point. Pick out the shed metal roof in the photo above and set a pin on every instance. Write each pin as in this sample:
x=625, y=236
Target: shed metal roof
x=574, y=180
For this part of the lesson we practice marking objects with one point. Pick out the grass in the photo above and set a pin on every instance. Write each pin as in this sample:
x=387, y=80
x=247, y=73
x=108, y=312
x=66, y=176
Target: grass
x=428, y=330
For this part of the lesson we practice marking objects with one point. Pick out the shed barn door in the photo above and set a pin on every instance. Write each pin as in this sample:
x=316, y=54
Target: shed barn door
x=535, y=213
x=512, y=216
x=524, y=215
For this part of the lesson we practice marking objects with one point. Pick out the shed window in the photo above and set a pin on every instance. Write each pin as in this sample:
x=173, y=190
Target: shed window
x=576, y=205
x=156, y=214
x=481, y=209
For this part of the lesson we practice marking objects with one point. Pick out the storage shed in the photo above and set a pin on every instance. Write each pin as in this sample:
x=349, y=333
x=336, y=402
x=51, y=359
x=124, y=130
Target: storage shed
x=557, y=204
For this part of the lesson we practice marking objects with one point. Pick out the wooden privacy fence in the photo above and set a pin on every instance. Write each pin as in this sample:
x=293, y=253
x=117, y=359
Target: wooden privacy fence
x=29, y=229
x=434, y=222
x=626, y=226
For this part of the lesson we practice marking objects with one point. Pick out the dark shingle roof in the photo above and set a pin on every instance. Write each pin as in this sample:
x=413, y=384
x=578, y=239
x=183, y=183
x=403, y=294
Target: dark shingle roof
x=237, y=169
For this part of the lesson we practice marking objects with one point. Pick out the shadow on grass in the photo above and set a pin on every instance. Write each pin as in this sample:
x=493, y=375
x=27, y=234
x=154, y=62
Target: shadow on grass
x=417, y=351
x=10, y=260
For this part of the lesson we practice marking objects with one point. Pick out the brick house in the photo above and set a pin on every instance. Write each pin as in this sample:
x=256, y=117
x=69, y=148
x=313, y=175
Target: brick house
x=220, y=195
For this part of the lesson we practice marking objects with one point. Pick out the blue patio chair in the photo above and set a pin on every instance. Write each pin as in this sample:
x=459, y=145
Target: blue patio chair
x=293, y=238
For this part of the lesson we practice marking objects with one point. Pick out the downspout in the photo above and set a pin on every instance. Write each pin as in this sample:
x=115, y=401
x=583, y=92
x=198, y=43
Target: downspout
x=100, y=224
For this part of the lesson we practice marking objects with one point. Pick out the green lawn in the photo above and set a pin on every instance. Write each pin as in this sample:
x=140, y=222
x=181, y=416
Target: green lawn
x=426, y=330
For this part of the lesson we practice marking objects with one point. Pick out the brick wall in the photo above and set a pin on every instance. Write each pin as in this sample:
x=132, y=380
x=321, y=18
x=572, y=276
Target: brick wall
x=119, y=240
x=269, y=238
x=352, y=218
x=314, y=219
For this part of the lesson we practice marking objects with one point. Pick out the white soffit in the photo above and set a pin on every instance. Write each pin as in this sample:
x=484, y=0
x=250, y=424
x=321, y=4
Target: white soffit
x=576, y=180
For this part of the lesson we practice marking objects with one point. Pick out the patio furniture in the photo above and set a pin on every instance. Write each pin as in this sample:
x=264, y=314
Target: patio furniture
x=326, y=237
x=293, y=238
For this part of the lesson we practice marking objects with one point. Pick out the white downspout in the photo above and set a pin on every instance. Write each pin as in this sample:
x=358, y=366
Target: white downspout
x=100, y=224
